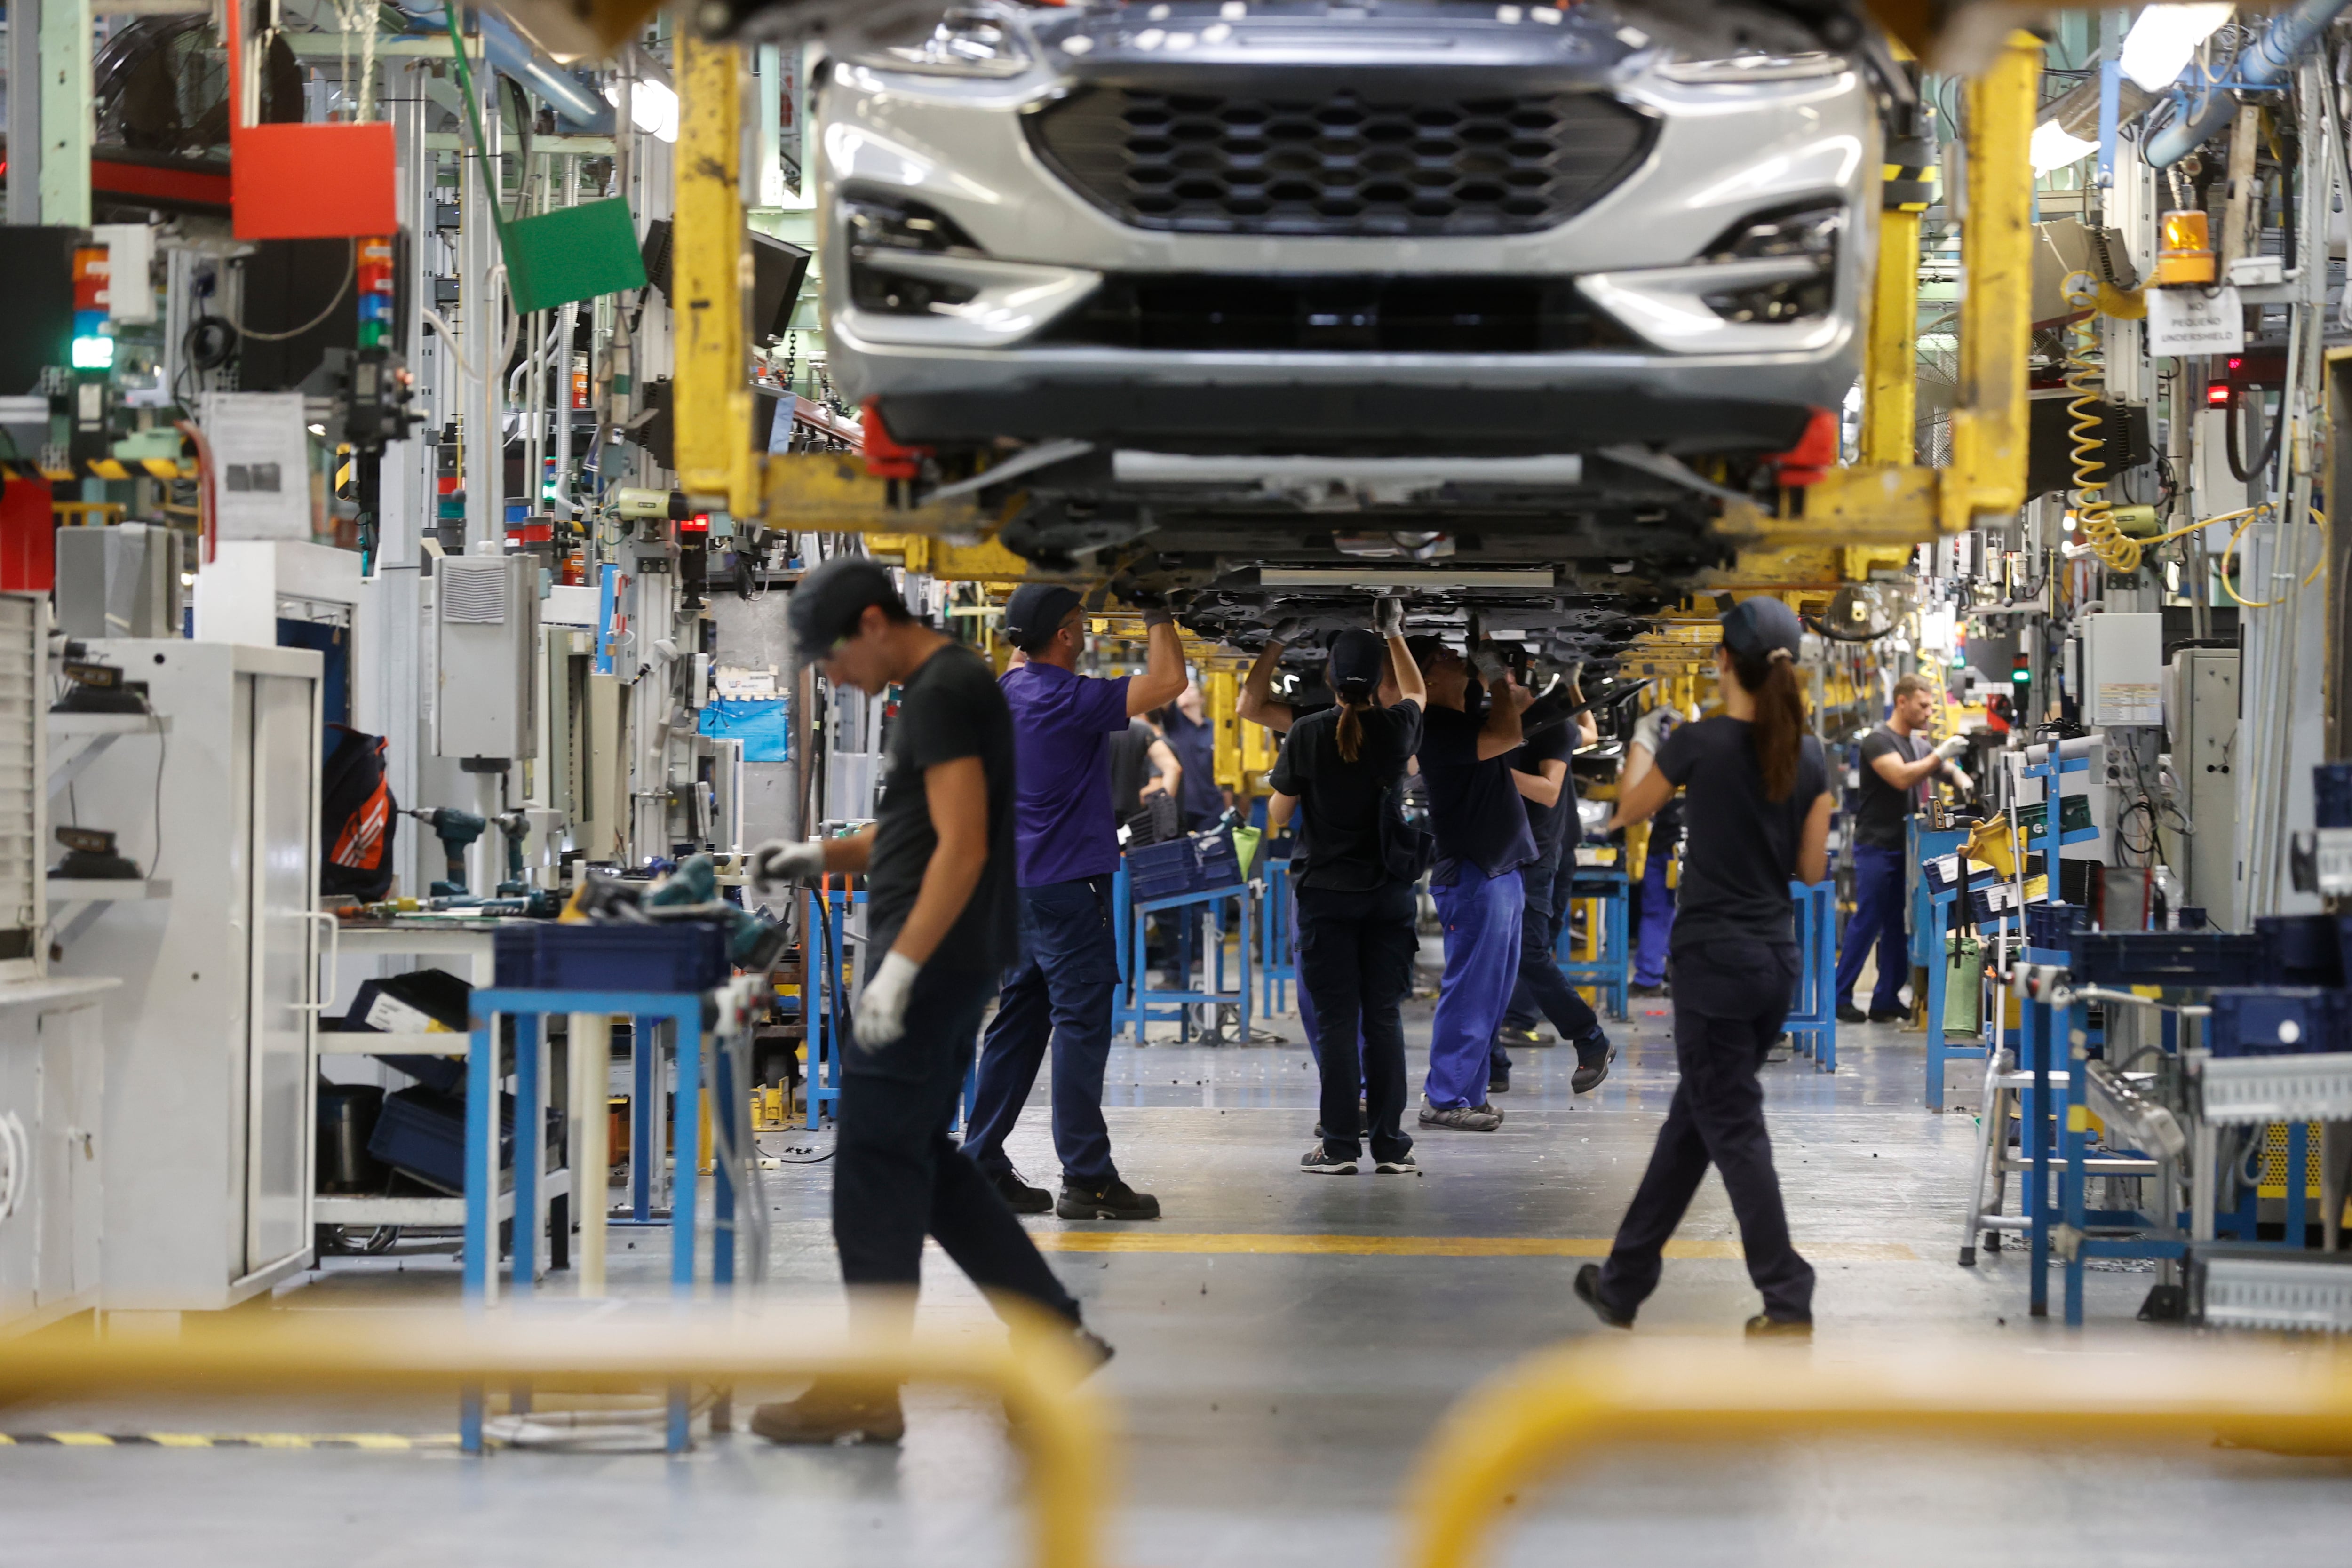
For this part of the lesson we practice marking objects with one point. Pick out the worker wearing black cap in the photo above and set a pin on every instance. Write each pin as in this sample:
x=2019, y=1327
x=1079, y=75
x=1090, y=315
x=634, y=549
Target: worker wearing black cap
x=1066, y=851
x=939, y=910
x=1354, y=870
x=1758, y=814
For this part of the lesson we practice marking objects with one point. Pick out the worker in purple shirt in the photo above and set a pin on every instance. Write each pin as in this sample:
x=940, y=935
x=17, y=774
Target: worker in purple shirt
x=1066, y=852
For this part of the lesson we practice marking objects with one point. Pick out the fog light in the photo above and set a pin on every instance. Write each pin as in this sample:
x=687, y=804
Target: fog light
x=891, y=223
x=1799, y=234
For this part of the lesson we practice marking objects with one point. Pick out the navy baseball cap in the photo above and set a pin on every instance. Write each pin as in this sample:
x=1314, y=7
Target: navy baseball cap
x=1760, y=627
x=1036, y=612
x=1358, y=657
x=827, y=602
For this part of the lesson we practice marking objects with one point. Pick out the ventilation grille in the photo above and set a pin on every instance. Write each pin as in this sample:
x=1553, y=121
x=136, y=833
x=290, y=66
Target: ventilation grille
x=21, y=708
x=473, y=593
x=1347, y=164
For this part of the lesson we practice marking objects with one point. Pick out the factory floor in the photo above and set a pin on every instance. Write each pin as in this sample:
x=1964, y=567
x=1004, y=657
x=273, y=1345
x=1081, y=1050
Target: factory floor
x=1270, y=1399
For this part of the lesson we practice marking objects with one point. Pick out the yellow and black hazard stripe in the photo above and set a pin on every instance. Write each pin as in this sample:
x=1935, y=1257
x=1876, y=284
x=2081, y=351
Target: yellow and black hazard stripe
x=392, y=1441
x=1907, y=183
x=101, y=468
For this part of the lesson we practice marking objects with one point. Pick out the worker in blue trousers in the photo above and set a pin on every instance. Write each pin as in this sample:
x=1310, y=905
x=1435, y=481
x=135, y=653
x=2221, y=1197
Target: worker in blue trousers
x=1482, y=843
x=1059, y=991
x=1654, y=904
x=1896, y=765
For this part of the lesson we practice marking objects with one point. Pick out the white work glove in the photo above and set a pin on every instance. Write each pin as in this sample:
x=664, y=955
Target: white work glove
x=1388, y=617
x=1951, y=746
x=1960, y=780
x=780, y=862
x=1488, y=661
x=881, y=1014
x=1160, y=617
x=1286, y=630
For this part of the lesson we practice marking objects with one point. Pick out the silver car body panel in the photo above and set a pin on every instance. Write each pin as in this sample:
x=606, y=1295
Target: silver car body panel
x=1721, y=152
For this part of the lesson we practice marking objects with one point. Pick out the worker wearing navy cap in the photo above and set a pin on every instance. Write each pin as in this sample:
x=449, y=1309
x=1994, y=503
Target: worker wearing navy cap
x=1758, y=814
x=939, y=918
x=1058, y=991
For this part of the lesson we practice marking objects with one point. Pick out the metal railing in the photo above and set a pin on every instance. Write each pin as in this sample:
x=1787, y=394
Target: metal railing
x=1033, y=1370
x=1536, y=1417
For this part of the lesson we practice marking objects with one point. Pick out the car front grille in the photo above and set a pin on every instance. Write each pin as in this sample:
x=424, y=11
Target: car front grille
x=1349, y=163
x=1347, y=313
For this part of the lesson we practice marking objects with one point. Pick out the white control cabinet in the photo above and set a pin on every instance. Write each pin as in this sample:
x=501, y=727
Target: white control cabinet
x=52, y=1150
x=209, y=1075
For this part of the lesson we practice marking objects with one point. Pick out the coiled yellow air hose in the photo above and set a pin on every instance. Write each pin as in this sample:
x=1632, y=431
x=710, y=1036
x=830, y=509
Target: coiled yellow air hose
x=2086, y=380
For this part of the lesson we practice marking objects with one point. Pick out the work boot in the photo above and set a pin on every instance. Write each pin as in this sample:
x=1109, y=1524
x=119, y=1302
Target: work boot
x=1460, y=1118
x=1113, y=1200
x=1593, y=1055
x=841, y=1412
x=1320, y=1161
x=1019, y=1196
x=1657, y=988
x=1513, y=1035
x=1588, y=1290
x=1763, y=1325
x=1889, y=1015
x=1850, y=1014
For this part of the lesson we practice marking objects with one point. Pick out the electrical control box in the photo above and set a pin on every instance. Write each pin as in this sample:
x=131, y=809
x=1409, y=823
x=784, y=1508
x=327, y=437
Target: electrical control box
x=2203, y=716
x=2123, y=670
x=485, y=626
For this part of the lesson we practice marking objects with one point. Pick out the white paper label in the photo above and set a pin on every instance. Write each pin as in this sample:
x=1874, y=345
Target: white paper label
x=2193, y=322
x=2336, y=859
x=261, y=462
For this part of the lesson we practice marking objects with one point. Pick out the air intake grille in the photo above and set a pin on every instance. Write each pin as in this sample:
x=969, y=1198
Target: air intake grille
x=473, y=593
x=1342, y=165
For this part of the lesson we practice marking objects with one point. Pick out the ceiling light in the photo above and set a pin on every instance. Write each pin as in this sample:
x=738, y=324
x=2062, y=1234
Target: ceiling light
x=2055, y=147
x=653, y=107
x=2156, y=49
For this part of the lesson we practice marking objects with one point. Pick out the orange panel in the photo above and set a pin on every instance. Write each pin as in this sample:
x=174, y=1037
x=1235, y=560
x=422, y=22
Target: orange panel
x=312, y=182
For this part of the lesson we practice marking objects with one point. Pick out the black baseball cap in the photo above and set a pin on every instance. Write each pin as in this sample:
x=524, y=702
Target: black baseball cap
x=1358, y=657
x=1036, y=612
x=827, y=603
x=1760, y=627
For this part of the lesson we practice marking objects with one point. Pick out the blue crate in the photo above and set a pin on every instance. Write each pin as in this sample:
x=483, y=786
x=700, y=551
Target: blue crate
x=2176, y=958
x=1160, y=870
x=674, y=956
x=1215, y=863
x=2331, y=794
x=2277, y=1021
x=422, y=1134
x=2300, y=950
x=2051, y=925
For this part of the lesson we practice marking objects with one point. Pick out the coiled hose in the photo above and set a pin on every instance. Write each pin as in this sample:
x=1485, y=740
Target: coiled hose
x=2087, y=379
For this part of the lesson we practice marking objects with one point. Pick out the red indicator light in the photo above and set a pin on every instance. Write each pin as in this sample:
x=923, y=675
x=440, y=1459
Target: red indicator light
x=2218, y=395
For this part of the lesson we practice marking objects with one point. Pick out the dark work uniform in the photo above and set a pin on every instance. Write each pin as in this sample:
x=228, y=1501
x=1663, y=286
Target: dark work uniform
x=897, y=1173
x=1482, y=840
x=1195, y=746
x=1735, y=972
x=1356, y=941
x=1541, y=984
x=1880, y=814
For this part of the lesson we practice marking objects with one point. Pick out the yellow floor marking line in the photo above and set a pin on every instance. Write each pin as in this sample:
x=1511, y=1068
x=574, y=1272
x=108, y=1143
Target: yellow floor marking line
x=377, y=1440
x=1270, y=1245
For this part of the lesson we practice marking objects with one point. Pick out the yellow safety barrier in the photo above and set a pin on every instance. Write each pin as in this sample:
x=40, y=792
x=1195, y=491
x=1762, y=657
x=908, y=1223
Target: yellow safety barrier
x=1034, y=1371
x=1553, y=1407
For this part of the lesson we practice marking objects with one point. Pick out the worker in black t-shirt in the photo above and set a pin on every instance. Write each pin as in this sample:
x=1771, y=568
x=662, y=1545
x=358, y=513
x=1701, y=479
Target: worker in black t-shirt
x=1338, y=771
x=1539, y=772
x=1896, y=763
x=940, y=910
x=1758, y=814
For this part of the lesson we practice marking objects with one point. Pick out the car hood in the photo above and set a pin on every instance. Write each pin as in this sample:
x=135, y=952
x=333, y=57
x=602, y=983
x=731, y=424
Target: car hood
x=1586, y=45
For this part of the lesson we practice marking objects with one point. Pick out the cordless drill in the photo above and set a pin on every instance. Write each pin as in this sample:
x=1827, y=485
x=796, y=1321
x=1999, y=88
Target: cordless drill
x=457, y=830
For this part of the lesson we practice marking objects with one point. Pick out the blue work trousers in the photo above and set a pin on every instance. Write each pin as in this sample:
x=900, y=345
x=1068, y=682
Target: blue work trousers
x=1060, y=993
x=1877, y=917
x=1481, y=915
x=1657, y=917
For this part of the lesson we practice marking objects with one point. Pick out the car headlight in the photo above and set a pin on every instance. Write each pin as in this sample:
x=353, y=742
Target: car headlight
x=965, y=43
x=1753, y=67
x=1803, y=240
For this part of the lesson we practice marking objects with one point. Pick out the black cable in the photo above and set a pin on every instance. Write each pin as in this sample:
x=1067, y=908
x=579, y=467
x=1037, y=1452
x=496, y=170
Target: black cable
x=2229, y=443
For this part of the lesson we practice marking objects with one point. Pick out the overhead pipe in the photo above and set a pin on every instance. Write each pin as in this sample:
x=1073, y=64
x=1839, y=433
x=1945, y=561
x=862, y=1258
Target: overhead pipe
x=2264, y=64
x=511, y=54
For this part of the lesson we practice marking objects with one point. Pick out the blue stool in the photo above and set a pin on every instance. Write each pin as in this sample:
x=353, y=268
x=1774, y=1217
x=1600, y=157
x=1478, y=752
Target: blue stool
x=1606, y=971
x=1812, y=1020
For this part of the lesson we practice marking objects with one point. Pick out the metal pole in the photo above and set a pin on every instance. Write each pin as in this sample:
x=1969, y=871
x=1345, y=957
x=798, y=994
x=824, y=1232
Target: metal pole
x=68, y=118
x=483, y=329
x=24, y=112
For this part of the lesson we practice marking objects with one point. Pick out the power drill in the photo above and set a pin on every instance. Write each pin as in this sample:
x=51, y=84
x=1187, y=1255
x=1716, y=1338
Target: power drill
x=457, y=830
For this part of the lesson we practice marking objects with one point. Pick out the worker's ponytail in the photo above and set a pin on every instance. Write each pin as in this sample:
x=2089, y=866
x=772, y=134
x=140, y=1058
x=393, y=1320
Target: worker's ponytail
x=1779, y=729
x=1350, y=736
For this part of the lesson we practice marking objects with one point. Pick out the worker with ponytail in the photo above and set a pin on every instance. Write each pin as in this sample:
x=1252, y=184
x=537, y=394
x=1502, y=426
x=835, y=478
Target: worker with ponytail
x=1354, y=870
x=1758, y=817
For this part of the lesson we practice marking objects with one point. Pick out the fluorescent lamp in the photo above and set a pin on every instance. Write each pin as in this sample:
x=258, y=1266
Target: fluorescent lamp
x=2055, y=147
x=2156, y=49
x=652, y=107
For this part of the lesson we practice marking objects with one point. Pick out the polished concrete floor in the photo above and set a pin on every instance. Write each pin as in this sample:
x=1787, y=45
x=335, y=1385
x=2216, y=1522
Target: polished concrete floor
x=1285, y=1345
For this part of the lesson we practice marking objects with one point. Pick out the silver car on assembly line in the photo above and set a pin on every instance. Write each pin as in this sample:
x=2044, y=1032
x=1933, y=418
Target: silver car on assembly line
x=1402, y=255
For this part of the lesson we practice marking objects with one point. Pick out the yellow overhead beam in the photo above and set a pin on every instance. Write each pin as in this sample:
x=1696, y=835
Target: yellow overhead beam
x=712, y=409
